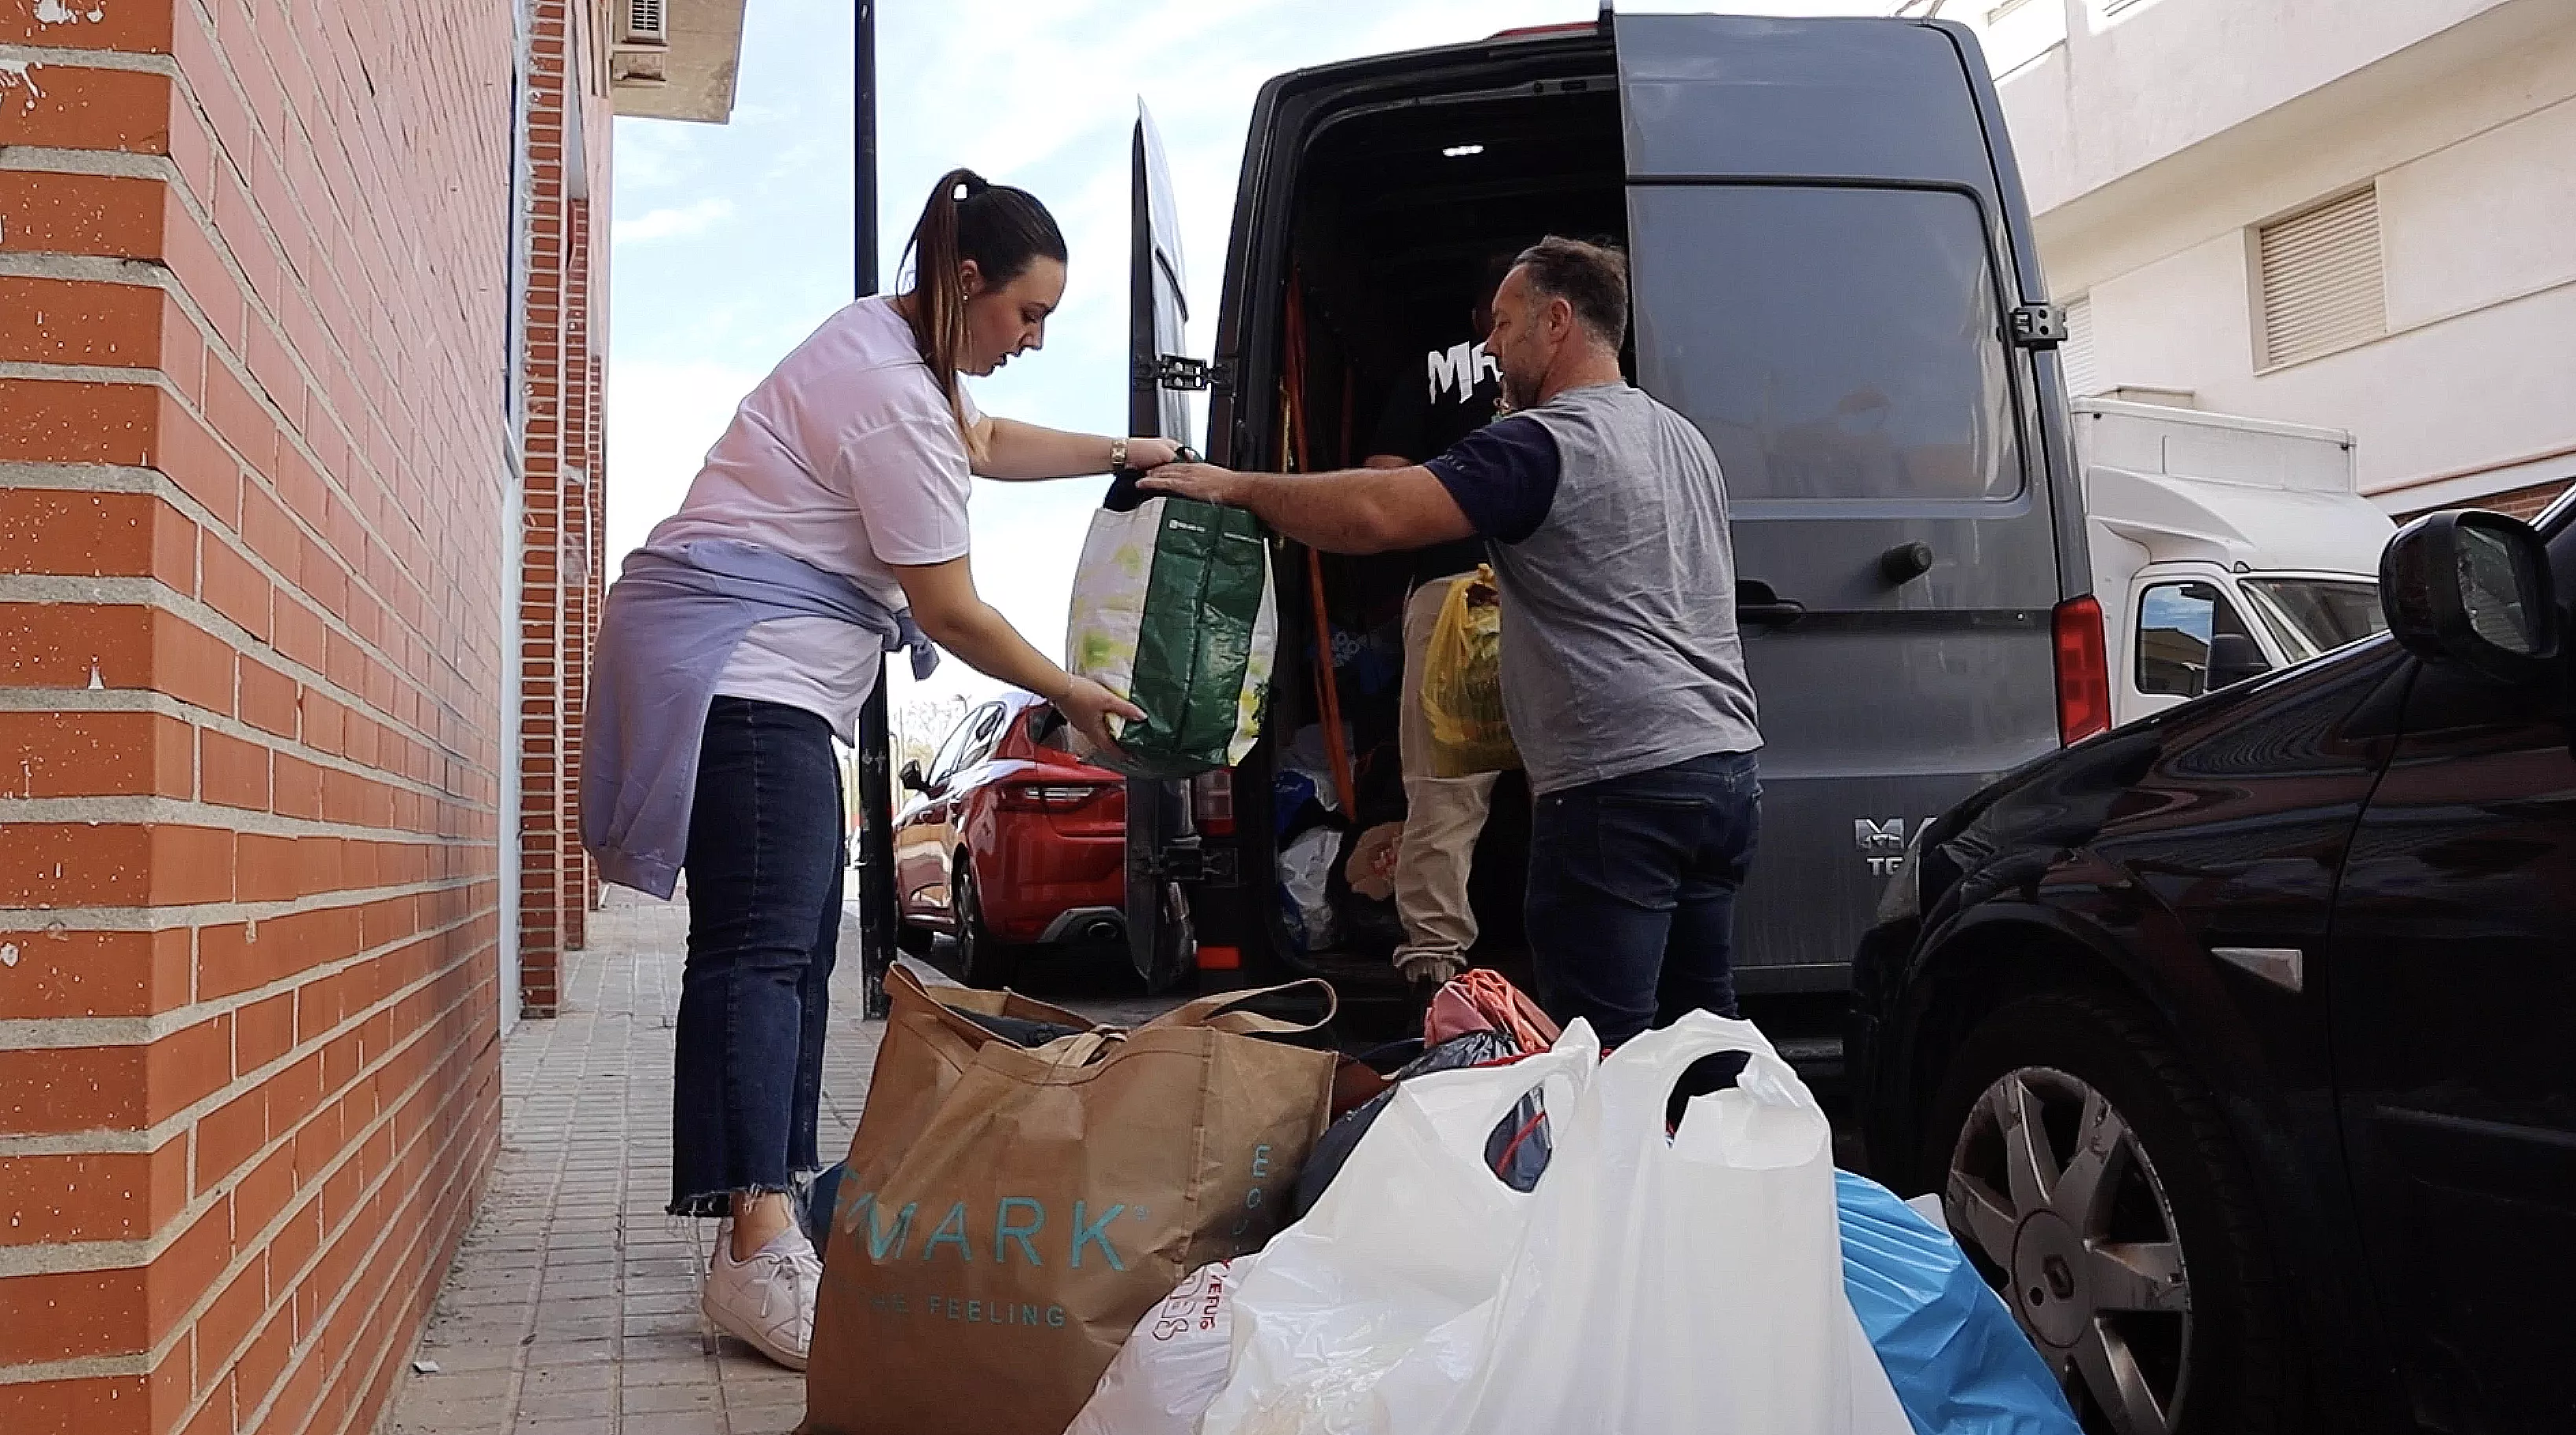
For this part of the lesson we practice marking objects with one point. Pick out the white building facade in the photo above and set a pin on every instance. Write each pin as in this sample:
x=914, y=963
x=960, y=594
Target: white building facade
x=2359, y=214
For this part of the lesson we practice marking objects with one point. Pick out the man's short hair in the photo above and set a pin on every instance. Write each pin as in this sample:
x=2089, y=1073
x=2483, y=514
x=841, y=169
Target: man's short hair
x=1592, y=278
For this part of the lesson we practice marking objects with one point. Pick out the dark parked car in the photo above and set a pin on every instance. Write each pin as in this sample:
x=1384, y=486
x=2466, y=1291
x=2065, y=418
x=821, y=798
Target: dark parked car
x=2241, y=1042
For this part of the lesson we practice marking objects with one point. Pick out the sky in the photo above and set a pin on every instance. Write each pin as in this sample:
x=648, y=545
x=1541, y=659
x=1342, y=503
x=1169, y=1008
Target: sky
x=731, y=243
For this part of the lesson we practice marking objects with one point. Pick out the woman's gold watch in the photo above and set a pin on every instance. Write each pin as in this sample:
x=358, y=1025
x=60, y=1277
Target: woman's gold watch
x=1117, y=454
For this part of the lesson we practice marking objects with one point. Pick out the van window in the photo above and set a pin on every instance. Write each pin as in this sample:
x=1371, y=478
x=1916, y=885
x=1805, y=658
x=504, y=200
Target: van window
x=2176, y=624
x=1835, y=344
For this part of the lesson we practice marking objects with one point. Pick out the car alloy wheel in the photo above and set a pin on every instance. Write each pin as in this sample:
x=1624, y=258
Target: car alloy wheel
x=2049, y=1187
x=983, y=960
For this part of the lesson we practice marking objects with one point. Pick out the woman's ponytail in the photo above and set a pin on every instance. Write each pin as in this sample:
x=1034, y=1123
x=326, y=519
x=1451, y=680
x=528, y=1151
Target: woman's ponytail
x=939, y=295
x=1004, y=230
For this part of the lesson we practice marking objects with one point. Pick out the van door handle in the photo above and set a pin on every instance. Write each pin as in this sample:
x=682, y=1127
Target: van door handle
x=1756, y=603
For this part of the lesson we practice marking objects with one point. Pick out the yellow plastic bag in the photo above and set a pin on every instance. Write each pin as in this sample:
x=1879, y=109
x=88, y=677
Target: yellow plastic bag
x=1462, y=682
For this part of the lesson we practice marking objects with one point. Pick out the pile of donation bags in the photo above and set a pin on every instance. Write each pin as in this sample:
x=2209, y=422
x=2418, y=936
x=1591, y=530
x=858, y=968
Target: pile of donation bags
x=1519, y=1243
x=1024, y=1184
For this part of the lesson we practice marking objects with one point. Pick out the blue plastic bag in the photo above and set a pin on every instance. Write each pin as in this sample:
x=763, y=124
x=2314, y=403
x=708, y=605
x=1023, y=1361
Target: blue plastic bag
x=1959, y=1364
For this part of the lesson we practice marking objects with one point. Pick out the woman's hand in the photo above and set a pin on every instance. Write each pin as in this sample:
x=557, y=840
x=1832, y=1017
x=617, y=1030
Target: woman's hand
x=1151, y=453
x=1089, y=706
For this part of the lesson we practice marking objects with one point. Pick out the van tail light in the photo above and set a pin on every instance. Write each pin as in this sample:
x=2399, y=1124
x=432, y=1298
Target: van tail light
x=1048, y=796
x=2083, y=671
x=1212, y=802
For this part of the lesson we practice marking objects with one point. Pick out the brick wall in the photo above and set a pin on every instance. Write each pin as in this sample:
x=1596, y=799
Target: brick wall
x=2523, y=503
x=254, y=448
x=561, y=456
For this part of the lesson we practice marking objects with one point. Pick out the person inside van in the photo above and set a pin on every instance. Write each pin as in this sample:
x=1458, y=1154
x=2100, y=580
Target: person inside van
x=1606, y=518
x=826, y=529
x=1459, y=393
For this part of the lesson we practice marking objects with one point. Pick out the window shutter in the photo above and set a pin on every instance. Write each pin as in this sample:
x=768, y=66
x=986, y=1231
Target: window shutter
x=2076, y=354
x=2320, y=279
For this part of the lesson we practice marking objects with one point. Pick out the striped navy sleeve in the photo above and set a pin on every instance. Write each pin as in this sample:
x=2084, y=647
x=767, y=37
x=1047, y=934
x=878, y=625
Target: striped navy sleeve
x=1502, y=476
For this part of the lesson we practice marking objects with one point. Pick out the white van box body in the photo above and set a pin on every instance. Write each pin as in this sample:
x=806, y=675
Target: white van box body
x=2180, y=496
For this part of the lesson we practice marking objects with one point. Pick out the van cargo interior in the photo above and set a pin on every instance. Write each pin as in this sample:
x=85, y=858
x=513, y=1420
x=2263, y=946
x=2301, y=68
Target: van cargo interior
x=1404, y=210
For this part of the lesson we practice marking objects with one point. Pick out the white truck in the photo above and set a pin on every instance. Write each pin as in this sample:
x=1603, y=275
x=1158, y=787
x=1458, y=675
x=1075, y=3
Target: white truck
x=2223, y=547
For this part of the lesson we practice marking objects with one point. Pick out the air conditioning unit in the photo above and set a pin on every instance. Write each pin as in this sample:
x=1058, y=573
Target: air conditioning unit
x=643, y=24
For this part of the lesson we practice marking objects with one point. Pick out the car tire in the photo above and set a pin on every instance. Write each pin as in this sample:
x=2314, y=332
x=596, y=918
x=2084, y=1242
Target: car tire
x=2158, y=1286
x=983, y=960
x=914, y=941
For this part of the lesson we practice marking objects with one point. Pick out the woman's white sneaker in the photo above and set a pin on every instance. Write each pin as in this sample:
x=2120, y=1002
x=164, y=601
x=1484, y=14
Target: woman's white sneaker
x=767, y=1302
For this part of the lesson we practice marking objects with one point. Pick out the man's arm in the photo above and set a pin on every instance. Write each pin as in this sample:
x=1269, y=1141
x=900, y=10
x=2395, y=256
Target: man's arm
x=1354, y=510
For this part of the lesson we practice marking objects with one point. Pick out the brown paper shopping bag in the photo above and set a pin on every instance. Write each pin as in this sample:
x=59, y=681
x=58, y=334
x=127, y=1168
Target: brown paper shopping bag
x=1008, y=1213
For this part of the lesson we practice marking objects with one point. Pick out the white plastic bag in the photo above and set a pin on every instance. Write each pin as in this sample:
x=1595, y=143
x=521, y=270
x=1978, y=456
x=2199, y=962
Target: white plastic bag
x=1412, y=1235
x=1306, y=872
x=1682, y=1284
x=1648, y=1286
x=1174, y=1362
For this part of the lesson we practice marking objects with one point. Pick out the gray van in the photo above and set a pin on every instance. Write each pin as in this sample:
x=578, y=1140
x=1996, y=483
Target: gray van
x=1834, y=277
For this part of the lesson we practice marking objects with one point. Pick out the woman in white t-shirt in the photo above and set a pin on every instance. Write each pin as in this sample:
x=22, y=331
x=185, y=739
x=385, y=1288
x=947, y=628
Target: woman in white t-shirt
x=854, y=458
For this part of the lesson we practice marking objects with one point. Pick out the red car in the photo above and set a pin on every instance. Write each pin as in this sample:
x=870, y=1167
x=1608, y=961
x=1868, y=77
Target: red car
x=1010, y=841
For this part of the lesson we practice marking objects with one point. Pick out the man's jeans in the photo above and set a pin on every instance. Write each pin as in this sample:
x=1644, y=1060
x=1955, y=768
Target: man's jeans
x=766, y=853
x=1632, y=893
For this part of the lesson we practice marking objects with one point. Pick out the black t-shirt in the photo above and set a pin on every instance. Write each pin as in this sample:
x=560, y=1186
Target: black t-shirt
x=1503, y=477
x=1423, y=418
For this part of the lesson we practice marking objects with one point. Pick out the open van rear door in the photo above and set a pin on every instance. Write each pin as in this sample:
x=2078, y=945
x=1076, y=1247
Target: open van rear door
x=1834, y=277
x=1161, y=848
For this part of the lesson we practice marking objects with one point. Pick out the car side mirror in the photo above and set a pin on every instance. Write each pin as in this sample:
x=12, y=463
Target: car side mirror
x=912, y=779
x=2234, y=658
x=2472, y=589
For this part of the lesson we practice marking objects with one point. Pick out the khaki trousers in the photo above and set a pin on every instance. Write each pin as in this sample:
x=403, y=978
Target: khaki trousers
x=1443, y=815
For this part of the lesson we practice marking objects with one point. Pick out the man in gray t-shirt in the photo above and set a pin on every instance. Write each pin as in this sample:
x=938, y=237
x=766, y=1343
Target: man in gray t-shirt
x=1623, y=673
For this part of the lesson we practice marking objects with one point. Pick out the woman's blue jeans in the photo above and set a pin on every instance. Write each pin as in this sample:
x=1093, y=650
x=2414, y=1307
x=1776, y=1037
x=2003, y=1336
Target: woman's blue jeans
x=766, y=855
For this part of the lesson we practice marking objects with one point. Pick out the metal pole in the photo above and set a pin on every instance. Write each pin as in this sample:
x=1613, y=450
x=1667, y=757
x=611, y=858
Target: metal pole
x=876, y=738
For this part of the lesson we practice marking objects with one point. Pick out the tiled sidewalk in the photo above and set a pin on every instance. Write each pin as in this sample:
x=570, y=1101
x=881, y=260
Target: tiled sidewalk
x=573, y=1306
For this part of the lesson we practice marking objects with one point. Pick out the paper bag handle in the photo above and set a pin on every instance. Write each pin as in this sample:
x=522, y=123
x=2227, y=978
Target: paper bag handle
x=899, y=980
x=1079, y=1049
x=1232, y=1012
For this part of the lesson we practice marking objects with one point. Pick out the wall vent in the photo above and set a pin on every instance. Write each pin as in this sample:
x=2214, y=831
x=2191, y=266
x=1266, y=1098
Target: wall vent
x=646, y=22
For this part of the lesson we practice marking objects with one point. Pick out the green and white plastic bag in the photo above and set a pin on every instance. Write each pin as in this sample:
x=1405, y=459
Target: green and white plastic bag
x=1173, y=610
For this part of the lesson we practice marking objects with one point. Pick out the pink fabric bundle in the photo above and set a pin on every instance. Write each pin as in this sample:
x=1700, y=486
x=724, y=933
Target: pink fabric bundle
x=1483, y=1000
